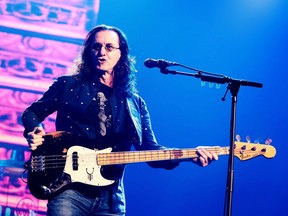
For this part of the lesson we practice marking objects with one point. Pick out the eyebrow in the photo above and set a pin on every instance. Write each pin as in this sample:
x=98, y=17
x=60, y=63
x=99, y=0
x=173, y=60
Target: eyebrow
x=110, y=43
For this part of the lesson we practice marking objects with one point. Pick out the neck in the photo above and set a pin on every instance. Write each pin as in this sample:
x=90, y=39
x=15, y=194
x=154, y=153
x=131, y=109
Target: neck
x=107, y=79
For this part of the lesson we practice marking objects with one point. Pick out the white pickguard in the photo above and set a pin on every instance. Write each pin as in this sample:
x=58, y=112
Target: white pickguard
x=87, y=172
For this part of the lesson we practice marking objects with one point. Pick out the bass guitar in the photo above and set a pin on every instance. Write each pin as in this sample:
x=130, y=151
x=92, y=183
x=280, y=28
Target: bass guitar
x=48, y=172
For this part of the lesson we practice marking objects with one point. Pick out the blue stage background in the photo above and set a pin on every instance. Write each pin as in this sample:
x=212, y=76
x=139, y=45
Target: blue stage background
x=240, y=39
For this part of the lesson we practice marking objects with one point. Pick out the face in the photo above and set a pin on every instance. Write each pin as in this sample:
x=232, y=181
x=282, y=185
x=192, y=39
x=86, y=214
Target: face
x=105, y=52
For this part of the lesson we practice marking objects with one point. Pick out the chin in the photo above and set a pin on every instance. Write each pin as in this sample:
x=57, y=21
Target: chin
x=100, y=71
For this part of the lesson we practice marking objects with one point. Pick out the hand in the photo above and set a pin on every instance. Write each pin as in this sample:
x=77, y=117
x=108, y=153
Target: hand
x=35, y=138
x=205, y=157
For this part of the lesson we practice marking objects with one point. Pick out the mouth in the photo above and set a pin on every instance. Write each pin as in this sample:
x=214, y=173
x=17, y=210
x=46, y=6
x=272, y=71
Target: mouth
x=101, y=60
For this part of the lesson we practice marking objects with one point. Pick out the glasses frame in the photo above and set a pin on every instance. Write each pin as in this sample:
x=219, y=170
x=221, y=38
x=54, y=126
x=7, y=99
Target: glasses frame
x=108, y=47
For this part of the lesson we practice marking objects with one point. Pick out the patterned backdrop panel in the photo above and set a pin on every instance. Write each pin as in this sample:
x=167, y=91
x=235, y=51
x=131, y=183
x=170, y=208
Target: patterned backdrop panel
x=39, y=41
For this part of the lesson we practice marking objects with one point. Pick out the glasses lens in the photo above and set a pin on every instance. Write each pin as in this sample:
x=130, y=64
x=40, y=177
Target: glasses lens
x=96, y=46
x=109, y=47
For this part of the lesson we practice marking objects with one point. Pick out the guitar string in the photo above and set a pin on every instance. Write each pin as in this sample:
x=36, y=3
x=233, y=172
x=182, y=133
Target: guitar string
x=119, y=155
x=52, y=161
x=113, y=157
x=174, y=152
x=139, y=154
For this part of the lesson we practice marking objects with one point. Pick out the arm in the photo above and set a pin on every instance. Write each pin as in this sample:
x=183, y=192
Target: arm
x=33, y=116
x=149, y=142
x=39, y=110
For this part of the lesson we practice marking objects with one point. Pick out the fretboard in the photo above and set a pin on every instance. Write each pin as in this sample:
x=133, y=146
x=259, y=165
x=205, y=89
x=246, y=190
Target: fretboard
x=114, y=158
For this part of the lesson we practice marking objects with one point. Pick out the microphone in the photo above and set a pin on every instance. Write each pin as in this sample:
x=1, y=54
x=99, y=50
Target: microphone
x=160, y=63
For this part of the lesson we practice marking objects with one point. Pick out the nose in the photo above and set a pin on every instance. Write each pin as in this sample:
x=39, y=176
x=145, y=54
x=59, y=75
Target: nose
x=102, y=50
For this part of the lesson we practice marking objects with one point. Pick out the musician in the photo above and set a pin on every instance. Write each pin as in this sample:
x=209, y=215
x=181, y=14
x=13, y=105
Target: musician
x=99, y=101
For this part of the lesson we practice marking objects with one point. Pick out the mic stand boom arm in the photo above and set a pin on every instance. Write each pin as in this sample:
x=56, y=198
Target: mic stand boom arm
x=233, y=86
x=214, y=78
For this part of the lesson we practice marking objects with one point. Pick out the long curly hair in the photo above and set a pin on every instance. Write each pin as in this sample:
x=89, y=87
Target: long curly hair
x=124, y=71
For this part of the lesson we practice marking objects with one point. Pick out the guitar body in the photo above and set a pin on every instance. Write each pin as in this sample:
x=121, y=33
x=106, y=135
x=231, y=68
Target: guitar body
x=55, y=165
x=40, y=181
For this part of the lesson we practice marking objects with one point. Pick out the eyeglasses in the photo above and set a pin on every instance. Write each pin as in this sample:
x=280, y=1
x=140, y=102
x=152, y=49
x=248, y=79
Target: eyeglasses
x=108, y=47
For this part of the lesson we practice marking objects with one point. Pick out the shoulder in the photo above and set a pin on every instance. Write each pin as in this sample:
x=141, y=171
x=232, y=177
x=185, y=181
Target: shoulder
x=138, y=101
x=63, y=83
x=137, y=97
x=67, y=79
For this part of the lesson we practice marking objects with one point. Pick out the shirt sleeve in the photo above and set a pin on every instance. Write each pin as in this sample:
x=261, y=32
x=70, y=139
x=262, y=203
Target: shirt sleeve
x=39, y=110
x=149, y=141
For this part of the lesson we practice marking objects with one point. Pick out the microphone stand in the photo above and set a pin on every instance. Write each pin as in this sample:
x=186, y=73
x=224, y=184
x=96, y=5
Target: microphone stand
x=233, y=86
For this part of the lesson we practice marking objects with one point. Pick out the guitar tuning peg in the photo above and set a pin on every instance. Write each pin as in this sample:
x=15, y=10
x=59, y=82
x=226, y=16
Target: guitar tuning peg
x=238, y=138
x=248, y=139
x=268, y=141
x=257, y=140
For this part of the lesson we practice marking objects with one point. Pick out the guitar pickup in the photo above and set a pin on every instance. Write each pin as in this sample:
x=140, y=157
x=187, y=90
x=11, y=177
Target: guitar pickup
x=75, y=157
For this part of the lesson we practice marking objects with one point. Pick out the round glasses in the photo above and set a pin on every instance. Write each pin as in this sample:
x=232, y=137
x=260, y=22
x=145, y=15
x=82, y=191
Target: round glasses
x=108, y=47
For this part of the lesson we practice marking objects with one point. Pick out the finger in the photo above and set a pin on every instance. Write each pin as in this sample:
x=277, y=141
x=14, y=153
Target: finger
x=207, y=154
x=35, y=138
x=210, y=155
x=215, y=156
x=33, y=147
x=202, y=154
x=39, y=131
x=202, y=161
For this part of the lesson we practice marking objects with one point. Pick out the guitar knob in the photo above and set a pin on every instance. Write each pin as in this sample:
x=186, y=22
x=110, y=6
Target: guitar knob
x=248, y=139
x=253, y=149
x=263, y=150
x=238, y=138
x=268, y=141
x=257, y=140
x=243, y=147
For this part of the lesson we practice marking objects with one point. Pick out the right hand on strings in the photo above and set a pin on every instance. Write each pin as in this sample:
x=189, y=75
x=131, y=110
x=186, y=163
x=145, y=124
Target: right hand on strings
x=35, y=138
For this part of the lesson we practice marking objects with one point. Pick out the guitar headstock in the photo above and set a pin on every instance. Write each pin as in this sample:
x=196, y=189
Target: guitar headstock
x=248, y=150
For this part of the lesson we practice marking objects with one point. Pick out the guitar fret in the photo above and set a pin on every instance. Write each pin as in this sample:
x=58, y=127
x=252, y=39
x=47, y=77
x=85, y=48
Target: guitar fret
x=153, y=155
x=143, y=156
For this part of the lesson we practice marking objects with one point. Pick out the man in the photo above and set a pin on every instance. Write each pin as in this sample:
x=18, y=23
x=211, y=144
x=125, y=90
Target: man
x=99, y=102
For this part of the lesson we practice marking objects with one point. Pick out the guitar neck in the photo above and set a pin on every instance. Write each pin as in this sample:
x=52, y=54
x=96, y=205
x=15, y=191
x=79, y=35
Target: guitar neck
x=114, y=158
